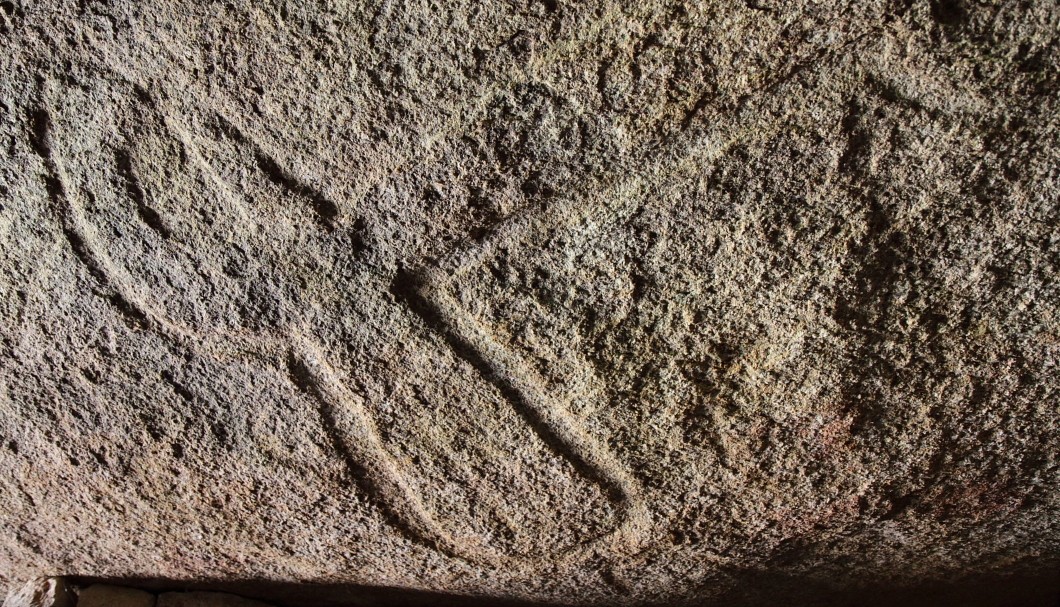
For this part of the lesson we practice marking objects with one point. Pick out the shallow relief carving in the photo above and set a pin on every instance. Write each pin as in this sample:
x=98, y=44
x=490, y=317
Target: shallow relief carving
x=157, y=271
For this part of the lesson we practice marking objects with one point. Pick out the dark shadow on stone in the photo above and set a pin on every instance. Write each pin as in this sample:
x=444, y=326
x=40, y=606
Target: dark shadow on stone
x=1038, y=588
x=294, y=594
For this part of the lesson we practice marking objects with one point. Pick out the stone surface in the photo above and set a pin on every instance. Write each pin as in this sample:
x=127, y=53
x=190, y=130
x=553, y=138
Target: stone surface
x=205, y=599
x=103, y=595
x=40, y=592
x=575, y=302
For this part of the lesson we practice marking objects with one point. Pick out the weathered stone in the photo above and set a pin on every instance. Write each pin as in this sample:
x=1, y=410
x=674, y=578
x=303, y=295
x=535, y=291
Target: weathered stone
x=205, y=599
x=41, y=592
x=581, y=302
x=103, y=595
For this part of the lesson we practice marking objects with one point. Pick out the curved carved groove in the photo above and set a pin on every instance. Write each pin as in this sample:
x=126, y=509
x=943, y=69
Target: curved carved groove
x=84, y=241
x=346, y=419
x=324, y=209
x=349, y=424
x=354, y=435
x=546, y=414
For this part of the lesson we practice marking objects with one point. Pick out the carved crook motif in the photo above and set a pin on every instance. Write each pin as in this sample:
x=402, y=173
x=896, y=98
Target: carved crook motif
x=343, y=412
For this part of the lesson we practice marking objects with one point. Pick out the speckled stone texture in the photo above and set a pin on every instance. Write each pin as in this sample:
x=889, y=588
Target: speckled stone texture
x=581, y=303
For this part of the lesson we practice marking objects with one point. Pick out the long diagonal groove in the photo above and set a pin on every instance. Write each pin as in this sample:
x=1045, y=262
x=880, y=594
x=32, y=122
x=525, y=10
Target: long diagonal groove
x=550, y=419
x=349, y=425
x=354, y=435
x=429, y=294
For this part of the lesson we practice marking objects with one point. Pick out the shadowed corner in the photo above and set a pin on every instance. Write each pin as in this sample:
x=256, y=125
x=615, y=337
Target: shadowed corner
x=1028, y=586
x=304, y=594
x=1037, y=587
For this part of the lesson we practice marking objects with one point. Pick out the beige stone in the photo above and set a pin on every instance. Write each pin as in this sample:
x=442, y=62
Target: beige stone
x=577, y=302
x=103, y=595
x=41, y=592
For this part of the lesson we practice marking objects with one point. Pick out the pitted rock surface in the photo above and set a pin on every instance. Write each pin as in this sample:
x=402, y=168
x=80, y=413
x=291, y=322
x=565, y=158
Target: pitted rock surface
x=573, y=302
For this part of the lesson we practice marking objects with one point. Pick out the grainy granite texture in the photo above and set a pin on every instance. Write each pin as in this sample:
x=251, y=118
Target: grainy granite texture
x=572, y=302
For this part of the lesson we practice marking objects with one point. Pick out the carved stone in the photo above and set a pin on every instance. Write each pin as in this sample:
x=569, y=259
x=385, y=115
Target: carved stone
x=573, y=302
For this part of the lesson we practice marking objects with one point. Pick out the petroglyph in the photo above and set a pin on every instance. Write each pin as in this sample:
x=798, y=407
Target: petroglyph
x=488, y=293
x=352, y=431
x=580, y=222
x=429, y=294
x=561, y=302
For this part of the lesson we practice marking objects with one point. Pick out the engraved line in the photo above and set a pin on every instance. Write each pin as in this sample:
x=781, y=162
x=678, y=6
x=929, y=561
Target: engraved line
x=136, y=192
x=85, y=243
x=551, y=420
x=325, y=211
x=355, y=437
x=507, y=369
x=347, y=421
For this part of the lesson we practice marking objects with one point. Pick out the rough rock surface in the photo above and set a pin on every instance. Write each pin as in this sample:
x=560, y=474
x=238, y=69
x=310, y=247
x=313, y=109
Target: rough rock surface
x=581, y=302
x=40, y=592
